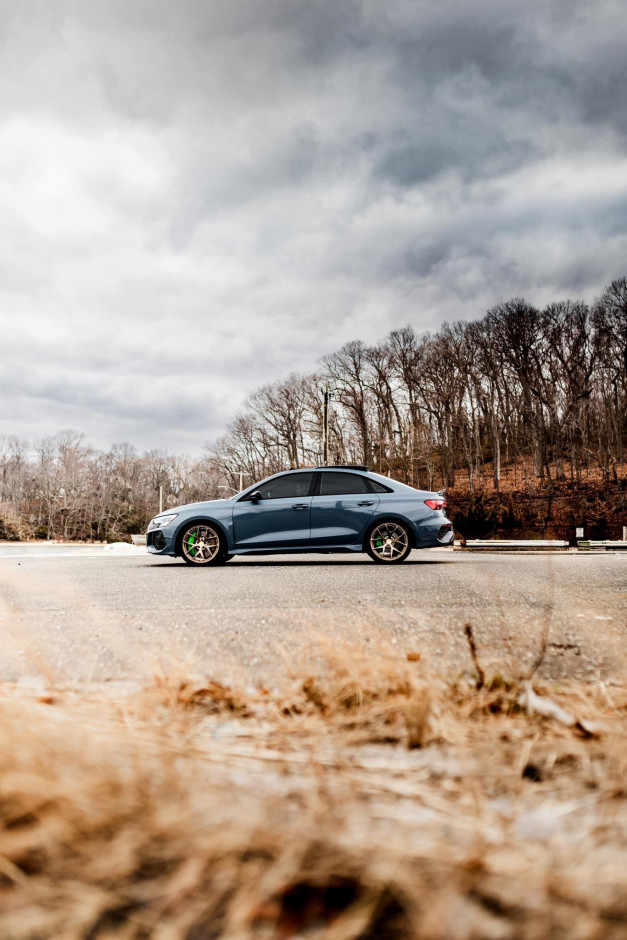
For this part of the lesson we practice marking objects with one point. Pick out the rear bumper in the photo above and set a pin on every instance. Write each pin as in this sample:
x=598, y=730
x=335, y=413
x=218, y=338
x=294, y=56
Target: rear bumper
x=434, y=531
x=445, y=535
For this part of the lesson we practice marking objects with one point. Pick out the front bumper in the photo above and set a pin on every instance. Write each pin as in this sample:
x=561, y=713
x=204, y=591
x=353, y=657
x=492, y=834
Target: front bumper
x=160, y=541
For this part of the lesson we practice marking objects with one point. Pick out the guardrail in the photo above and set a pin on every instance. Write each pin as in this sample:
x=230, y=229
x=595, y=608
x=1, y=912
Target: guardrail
x=536, y=545
x=512, y=545
x=607, y=545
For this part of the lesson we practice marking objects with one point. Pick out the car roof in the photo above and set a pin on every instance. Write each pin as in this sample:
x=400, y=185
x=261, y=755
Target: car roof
x=341, y=468
x=344, y=467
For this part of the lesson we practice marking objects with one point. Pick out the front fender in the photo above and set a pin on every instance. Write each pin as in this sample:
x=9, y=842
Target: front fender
x=224, y=523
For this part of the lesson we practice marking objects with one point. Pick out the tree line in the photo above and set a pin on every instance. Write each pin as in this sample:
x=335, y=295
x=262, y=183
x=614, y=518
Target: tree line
x=540, y=390
x=544, y=389
x=63, y=489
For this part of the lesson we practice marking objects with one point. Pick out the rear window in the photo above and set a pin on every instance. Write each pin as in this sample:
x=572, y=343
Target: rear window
x=380, y=487
x=343, y=484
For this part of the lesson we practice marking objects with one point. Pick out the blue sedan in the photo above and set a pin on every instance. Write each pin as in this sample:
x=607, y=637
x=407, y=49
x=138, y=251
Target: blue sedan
x=327, y=509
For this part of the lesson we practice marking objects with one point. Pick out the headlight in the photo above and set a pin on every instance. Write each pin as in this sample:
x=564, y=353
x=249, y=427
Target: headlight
x=160, y=521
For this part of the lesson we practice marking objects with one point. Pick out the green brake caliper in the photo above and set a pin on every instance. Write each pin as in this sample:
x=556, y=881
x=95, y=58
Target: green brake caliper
x=190, y=545
x=379, y=543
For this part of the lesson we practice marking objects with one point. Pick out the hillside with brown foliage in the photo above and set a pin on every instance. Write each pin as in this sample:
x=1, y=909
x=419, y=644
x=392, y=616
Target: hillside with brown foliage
x=527, y=507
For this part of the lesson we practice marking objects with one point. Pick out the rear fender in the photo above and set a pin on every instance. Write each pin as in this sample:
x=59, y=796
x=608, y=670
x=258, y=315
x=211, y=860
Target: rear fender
x=391, y=517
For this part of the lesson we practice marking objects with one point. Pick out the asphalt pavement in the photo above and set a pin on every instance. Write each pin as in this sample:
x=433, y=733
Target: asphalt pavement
x=258, y=619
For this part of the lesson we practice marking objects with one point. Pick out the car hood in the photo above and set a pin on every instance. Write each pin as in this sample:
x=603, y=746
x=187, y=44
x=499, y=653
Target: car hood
x=204, y=504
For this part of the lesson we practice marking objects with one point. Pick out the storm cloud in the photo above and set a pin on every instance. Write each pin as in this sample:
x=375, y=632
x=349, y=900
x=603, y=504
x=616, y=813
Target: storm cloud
x=197, y=197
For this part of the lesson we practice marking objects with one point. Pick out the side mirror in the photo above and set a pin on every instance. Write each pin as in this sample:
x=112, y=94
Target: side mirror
x=255, y=497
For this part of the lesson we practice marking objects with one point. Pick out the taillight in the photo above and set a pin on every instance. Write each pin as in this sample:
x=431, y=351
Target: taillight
x=435, y=503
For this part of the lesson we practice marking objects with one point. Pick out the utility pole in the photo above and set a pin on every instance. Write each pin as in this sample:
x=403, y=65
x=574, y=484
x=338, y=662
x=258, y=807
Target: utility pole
x=327, y=396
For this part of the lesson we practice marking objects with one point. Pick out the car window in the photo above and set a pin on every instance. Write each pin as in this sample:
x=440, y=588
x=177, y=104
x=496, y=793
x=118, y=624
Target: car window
x=380, y=487
x=295, y=485
x=342, y=484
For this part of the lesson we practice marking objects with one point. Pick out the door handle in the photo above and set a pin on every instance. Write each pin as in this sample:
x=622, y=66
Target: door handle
x=366, y=502
x=300, y=506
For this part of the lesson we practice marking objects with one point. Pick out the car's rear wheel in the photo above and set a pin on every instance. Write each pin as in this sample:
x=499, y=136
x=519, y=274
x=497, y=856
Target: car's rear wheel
x=202, y=544
x=389, y=543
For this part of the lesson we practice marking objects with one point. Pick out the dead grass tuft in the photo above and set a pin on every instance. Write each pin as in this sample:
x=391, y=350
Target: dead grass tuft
x=175, y=693
x=377, y=697
x=191, y=811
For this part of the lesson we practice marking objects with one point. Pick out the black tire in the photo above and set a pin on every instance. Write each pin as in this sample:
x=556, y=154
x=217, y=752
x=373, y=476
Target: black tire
x=388, y=542
x=203, y=544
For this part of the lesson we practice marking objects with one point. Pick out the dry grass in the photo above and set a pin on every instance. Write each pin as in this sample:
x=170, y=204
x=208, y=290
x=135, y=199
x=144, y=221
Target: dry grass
x=365, y=799
x=366, y=696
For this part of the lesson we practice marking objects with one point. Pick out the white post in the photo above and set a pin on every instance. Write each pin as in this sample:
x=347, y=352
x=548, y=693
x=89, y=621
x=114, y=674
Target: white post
x=241, y=480
x=625, y=533
x=161, y=498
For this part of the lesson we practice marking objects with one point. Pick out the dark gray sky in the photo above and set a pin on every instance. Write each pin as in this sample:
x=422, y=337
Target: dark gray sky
x=199, y=196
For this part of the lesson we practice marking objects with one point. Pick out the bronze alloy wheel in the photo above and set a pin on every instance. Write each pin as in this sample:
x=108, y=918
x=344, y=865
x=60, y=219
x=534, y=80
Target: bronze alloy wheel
x=389, y=543
x=202, y=545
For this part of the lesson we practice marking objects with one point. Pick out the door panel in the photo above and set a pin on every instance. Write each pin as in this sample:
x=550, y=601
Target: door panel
x=341, y=520
x=272, y=523
x=280, y=518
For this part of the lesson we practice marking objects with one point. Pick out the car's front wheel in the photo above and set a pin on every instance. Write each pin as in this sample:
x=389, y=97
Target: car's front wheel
x=202, y=544
x=389, y=543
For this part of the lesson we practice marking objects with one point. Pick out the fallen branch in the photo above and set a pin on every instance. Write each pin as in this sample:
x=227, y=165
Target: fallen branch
x=540, y=705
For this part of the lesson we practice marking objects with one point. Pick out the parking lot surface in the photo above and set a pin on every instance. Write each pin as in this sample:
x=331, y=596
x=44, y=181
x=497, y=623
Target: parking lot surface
x=257, y=619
